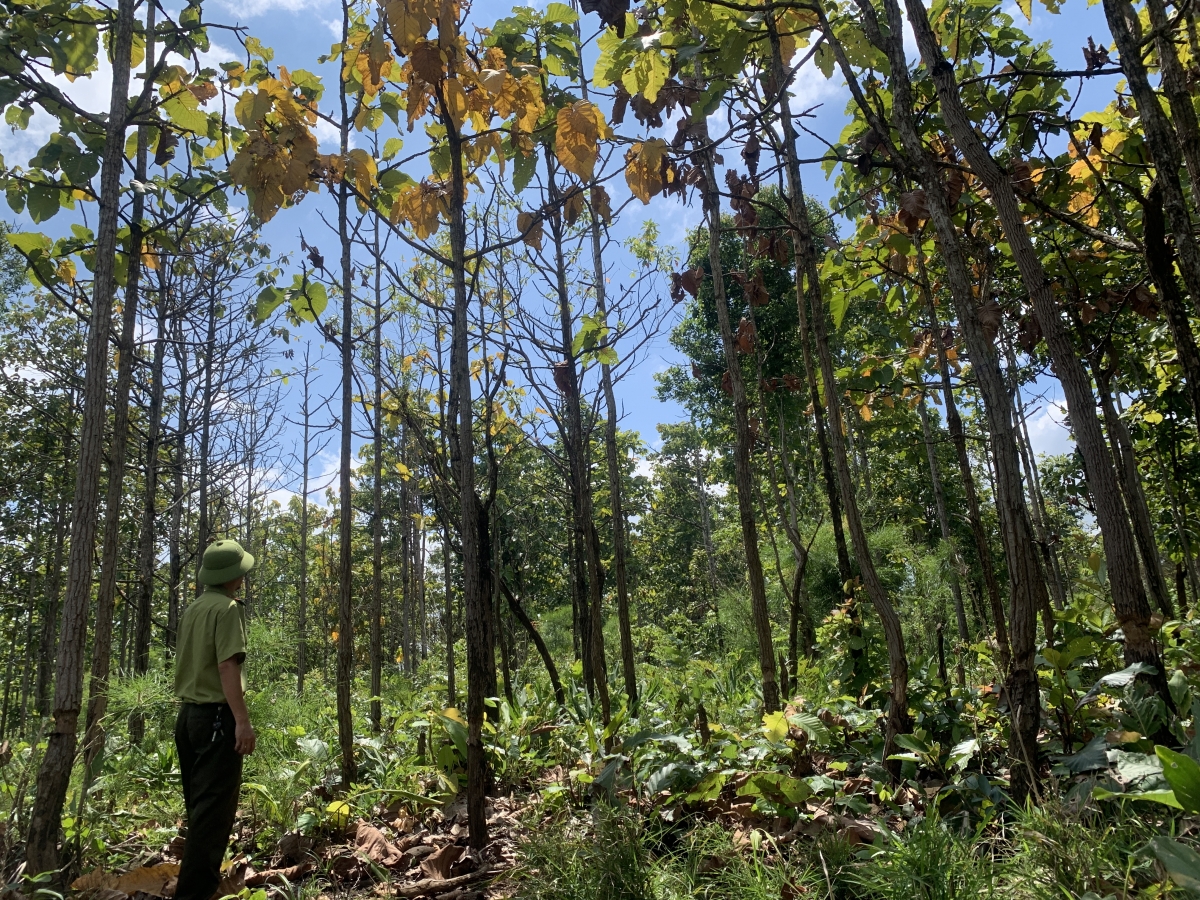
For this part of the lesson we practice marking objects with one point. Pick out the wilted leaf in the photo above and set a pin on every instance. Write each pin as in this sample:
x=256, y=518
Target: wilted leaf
x=370, y=841
x=152, y=880
x=437, y=865
x=530, y=226
x=581, y=127
x=645, y=168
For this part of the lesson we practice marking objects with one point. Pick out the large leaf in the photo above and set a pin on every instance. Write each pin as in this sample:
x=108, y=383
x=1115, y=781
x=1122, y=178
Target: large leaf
x=1115, y=680
x=1092, y=757
x=776, y=787
x=1181, y=862
x=1183, y=774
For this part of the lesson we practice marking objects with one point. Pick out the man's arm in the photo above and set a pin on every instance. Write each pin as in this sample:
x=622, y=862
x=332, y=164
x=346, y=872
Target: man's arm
x=231, y=684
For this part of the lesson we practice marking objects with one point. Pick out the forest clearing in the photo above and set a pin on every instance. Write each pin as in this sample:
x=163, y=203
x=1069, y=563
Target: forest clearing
x=706, y=449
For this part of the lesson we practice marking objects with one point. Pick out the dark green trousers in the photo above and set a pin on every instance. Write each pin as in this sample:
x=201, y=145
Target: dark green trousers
x=212, y=775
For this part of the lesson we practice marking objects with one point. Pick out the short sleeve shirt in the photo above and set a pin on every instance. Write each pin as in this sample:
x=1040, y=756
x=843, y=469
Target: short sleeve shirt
x=213, y=630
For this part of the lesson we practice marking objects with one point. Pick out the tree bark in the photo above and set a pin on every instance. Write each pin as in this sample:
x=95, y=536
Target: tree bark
x=376, y=707
x=743, y=477
x=804, y=252
x=345, y=604
x=939, y=499
x=1128, y=594
x=54, y=774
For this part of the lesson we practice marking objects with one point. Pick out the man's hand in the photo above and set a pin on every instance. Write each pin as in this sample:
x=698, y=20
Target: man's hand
x=231, y=684
x=244, y=738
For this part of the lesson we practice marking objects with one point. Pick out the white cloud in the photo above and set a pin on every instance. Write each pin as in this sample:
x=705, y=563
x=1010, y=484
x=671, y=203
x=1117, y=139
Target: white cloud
x=1048, y=432
x=250, y=9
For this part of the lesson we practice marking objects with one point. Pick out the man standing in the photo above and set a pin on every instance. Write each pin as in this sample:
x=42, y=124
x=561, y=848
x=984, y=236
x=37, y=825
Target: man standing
x=213, y=731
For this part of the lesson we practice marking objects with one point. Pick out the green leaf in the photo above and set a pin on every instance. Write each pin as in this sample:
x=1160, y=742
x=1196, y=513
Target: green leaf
x=524, y=168
x=391, y=148
x=1181, y=861
x=777, y=787
x=1183, y=774
x=184, y=110
x=839, y=302
x=708, y=789
x=269, y=299
x=309, y=303
x=29, y=241
x=961, y=753
x=559, y=14
x=1166, y=798
x=43, y=203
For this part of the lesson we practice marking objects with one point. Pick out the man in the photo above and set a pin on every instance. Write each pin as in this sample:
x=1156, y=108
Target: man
x=213, y=731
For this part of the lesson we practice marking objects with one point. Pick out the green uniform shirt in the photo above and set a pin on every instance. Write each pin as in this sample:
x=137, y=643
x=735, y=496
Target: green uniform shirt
x=213, y=630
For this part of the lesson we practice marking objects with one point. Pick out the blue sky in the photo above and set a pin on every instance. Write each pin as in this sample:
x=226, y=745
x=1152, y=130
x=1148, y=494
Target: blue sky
x=302, y=30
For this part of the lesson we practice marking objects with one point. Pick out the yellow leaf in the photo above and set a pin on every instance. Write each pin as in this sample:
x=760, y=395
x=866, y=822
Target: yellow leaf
x=645, y=167
x=150, y=880
x=456, y=101
x=581, y=126
x=451, y=712
x=409, y=21
x=865, y=412
x=775, y=726
x=1026, y=8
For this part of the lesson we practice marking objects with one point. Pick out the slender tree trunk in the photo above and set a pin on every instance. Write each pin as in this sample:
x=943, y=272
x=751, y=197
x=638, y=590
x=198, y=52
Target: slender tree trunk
x=49, y=624
x=204, y=527
x=1161, y=138
x=54, y=775
x=939, y=498
x=743, y=477
x=480, y=675
x=710, y=556
x=534, y=635
x=376, y=710
x=302, y=614
x=1128, y=593
x=451, y=691
x=575, y=445
x=1160, y=263
x=175, y=589
x=804, y=251
x=345, y=605
x=1135, y=497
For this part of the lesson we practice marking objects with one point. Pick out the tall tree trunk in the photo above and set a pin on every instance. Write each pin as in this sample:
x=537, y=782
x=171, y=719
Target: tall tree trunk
x=376, y=710
x=1135, y=496
x=575, y=445
x=54, y=774
x=175, y=588
x=743, y=477
x=804, y=251
x=710, y=556
x=1160, y=263
x=1012, y=505
x=939, y=499
x=480, y=674
x=1162, y=140
x=52, y=595
x=302, y=615
x=345, y=605
x=1128, y=594
x=451, y=690
x=204, y=526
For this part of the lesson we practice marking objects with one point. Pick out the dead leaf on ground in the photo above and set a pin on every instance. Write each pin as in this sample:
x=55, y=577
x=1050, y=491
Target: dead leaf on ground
x=152, y=880
x=290, y=875
x=370, y=840
x=438, y=865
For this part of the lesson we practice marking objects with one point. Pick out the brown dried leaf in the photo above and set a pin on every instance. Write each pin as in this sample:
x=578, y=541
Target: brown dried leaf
x=530, y=226
x=370, y=841
x=989, y=316
x=290, y=875
x=690, y=280
x=915, y=203
x=152, y=880
x=437, y=865
x=746, y=336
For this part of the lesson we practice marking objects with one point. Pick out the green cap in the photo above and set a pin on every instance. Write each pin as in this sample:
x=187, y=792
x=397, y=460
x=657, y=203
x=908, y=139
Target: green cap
x=223, y=562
